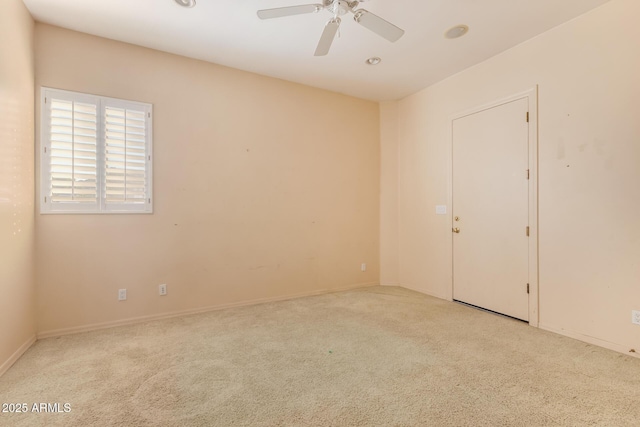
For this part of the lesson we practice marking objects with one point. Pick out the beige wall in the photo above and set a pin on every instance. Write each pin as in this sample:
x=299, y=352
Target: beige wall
x=589, y=169
x=17, y=320
x=388, y=193
x=263, y=189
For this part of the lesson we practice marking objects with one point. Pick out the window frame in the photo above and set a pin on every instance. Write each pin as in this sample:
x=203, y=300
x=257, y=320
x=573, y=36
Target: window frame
x=101, y=103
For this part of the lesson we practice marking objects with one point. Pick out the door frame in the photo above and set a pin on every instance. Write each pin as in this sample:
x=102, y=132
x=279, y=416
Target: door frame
x=531, y=95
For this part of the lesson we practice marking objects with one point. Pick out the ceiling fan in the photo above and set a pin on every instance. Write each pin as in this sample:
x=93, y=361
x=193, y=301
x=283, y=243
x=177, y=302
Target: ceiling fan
x=338, y=8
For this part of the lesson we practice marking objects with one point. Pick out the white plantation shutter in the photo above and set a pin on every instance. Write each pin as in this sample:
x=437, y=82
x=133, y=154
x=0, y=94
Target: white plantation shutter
x=96, y=155
x=73, y=152
x=125, y=156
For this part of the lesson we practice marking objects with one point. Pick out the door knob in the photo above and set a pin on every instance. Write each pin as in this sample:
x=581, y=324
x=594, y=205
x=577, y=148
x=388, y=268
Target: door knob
x=455, y=230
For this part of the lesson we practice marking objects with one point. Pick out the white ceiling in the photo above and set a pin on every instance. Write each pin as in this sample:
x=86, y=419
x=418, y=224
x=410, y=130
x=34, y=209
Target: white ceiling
x=228, y=32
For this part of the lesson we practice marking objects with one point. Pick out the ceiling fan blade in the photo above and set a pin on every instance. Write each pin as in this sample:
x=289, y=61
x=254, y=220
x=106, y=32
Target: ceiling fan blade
x=378, y=25
x=327, y=37
x=288, y=11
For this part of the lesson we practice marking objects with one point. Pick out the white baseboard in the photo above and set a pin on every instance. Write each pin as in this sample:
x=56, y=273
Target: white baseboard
x=591, y=340
x=16, y=355
x=142, y=319
x=411, y=288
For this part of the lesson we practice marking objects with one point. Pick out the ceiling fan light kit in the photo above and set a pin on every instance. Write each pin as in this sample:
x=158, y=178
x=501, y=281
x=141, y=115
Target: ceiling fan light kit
x=337, y=8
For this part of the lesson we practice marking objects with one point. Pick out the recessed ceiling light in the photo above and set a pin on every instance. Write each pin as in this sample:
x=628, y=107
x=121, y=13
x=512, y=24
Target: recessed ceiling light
x=457, y=31
x=186, y=3
x=373, y=61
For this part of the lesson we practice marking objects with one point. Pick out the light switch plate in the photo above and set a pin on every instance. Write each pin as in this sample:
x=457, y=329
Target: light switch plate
x=441, y=209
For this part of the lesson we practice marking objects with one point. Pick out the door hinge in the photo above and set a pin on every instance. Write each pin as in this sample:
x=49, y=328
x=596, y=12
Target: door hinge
x=527, y=288
x=45, y=199
x=527, y=173
x=527, y=117
x=45, y=149
x=45, y=99
x=527, y=231
x=149, y=200
x=149, y=115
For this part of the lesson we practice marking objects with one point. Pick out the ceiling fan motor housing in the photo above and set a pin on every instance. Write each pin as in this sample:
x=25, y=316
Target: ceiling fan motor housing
x=339, y=7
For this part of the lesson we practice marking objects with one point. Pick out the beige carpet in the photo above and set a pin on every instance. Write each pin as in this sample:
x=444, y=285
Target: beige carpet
x=371, y=357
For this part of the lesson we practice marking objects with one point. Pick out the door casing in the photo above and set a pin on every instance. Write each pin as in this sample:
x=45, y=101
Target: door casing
x=532, y=98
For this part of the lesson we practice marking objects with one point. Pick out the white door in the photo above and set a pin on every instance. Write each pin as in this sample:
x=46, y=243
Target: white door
x=490, y=209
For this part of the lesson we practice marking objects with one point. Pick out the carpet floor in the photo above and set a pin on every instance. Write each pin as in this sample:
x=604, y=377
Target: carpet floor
x=379, y=356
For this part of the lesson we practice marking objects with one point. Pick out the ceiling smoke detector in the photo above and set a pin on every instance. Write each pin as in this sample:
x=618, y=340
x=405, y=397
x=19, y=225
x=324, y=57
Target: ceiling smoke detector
x=456, y=32
x=186, y=3
x=373, y=61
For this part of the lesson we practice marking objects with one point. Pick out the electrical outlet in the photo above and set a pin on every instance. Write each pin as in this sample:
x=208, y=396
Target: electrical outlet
x=162, y=289
x=122, y=294
x=635, y=317
x=363, y=266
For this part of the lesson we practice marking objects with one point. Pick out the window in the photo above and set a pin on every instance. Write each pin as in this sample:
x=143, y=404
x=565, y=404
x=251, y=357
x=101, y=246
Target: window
x=95, y=154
